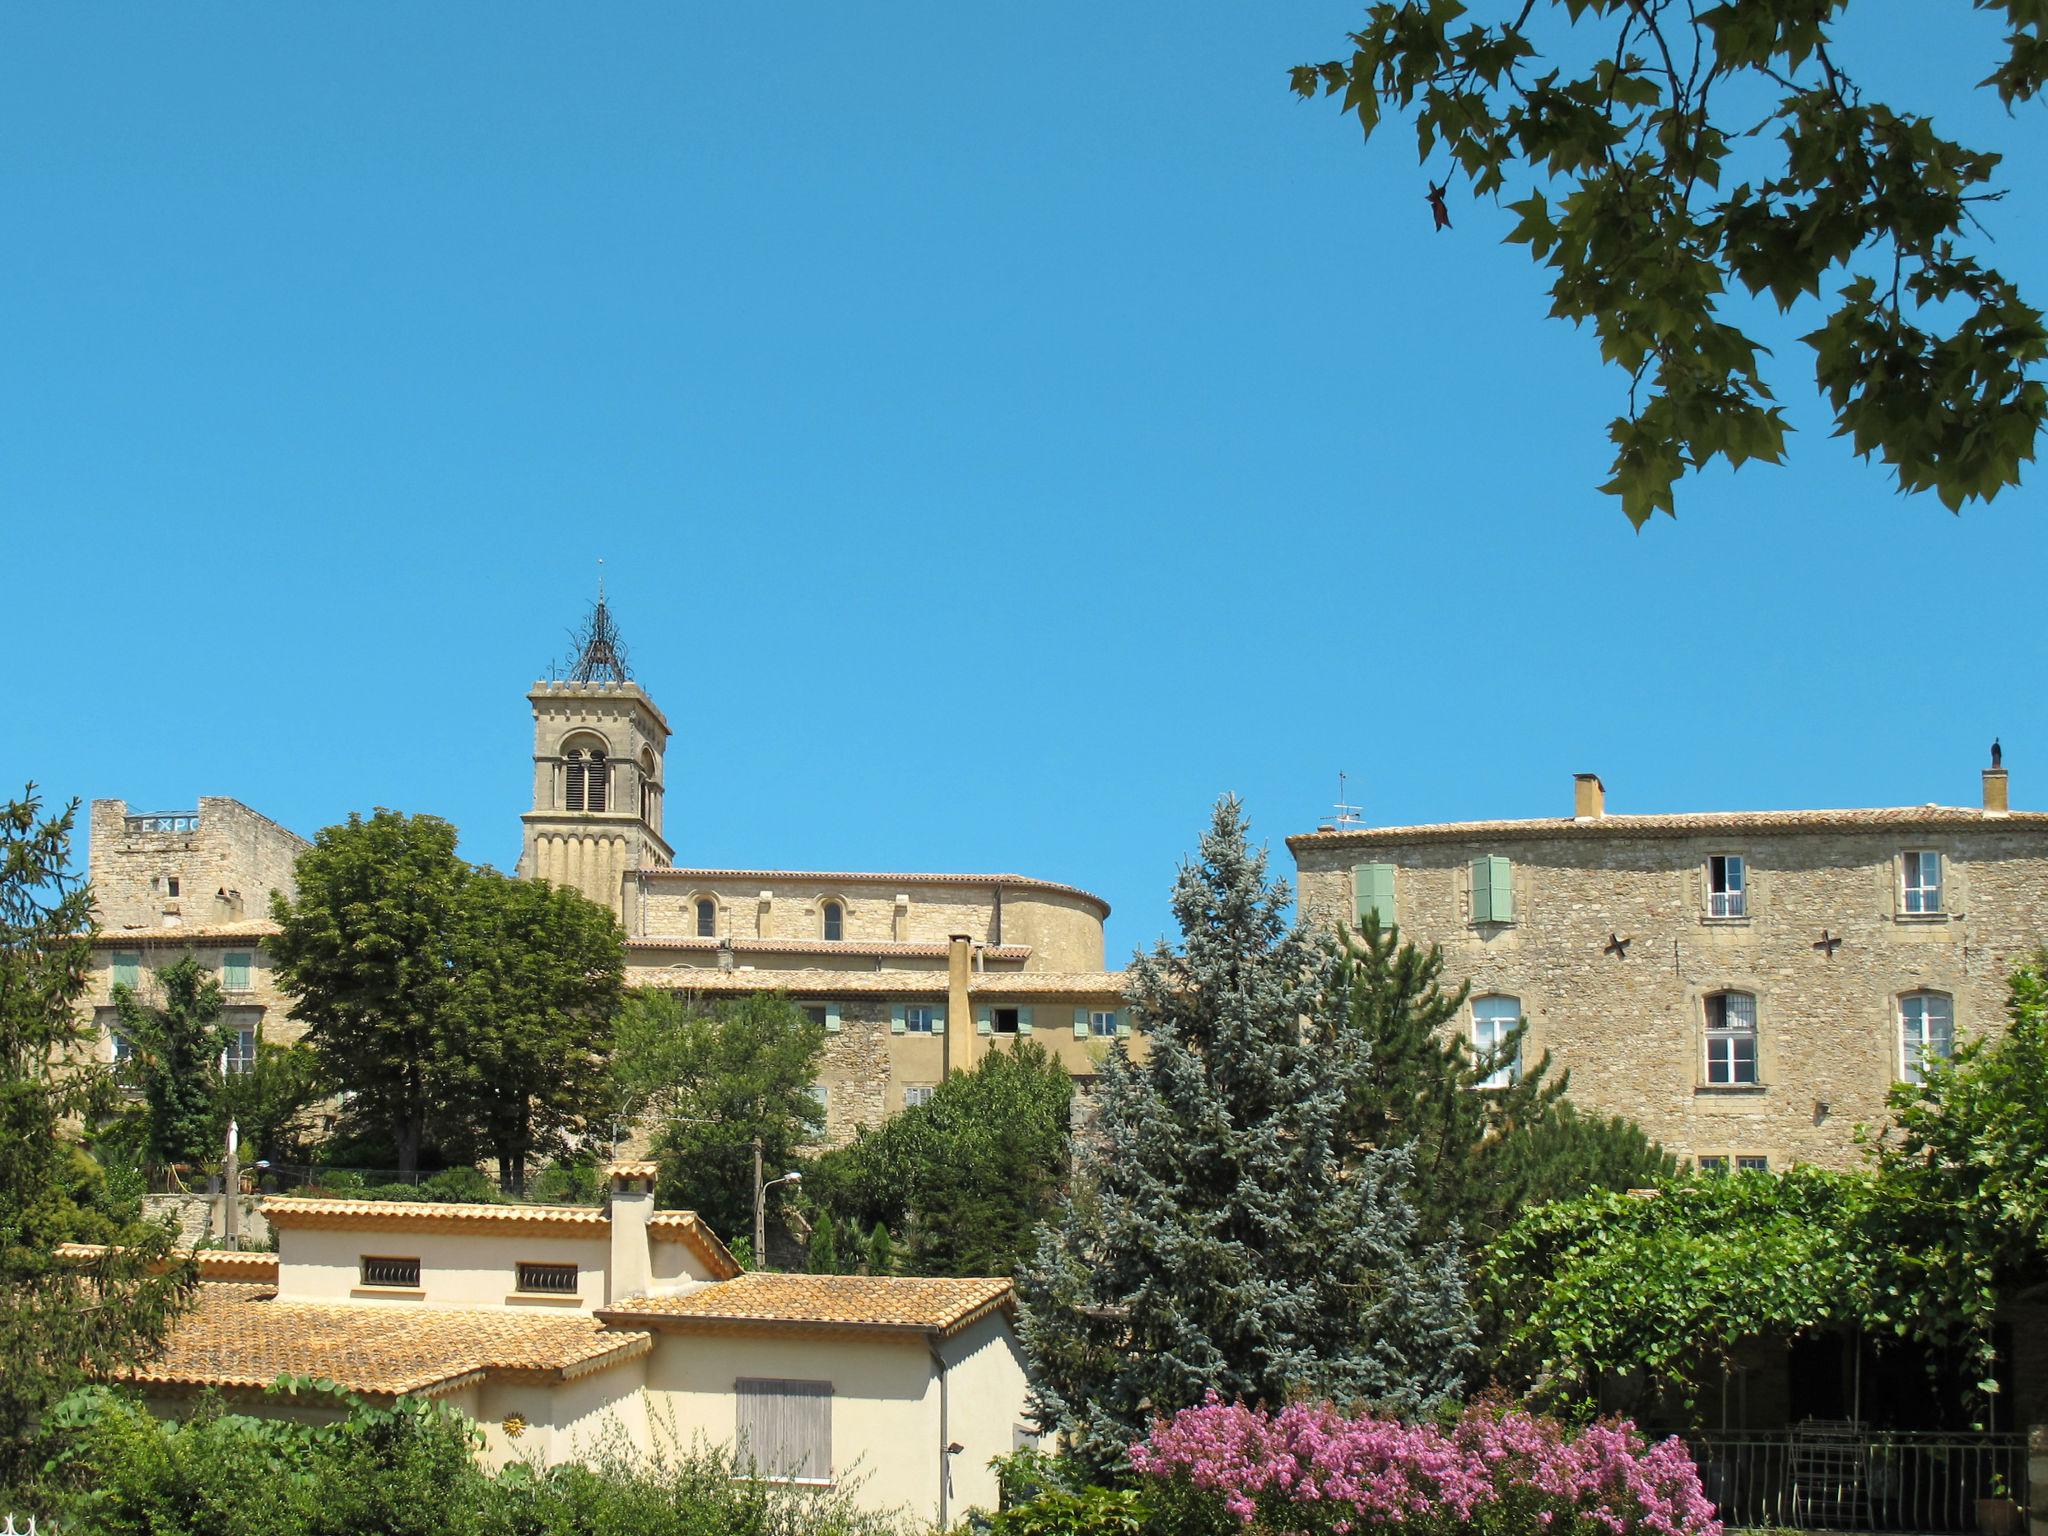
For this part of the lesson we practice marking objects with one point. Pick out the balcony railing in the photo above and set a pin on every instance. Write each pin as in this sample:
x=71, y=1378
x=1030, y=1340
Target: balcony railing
x=1844, y=1477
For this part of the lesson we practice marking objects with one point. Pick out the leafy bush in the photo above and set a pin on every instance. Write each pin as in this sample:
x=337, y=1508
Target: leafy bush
x=407, y=1470
x=1309, y=1468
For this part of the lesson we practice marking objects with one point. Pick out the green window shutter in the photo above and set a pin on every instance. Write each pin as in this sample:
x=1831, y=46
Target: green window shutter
x=983, y=1023
x=1500, y=880
x=1373, y=887
x=831, y=1018
x=1482, y=890
x=127, y=970
x=1080, y=1023
x=938, y=1021
x=895, y=1018
x=234, y=972
x=1023, y=1021
x=1123, y=1023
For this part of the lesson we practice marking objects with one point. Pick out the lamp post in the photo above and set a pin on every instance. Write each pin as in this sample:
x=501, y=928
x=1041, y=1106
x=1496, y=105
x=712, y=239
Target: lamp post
x=761, y=1203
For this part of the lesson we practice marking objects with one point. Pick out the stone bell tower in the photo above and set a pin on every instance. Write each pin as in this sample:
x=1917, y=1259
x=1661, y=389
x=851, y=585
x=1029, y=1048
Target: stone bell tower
x=598, y=744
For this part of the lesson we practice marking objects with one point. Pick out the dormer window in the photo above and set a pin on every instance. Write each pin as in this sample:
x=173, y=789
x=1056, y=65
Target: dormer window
x=835, y=922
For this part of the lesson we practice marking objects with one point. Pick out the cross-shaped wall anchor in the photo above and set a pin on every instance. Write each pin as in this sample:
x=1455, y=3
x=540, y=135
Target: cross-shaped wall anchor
x=1828, y=943
x=1616, y=945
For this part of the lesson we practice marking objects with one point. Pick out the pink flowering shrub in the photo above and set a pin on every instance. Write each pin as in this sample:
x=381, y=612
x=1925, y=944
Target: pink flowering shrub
x=1504, y=1473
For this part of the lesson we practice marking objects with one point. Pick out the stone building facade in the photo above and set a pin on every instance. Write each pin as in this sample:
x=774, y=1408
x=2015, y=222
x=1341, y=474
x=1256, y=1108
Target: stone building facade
x=912, y=975
x=1744, y=985
x=168, y=884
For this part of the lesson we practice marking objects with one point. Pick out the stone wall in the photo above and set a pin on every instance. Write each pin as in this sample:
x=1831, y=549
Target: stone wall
x=219, y=868
x=1628, y=1023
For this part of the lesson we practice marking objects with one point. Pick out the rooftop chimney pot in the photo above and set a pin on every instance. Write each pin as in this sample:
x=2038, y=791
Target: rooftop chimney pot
x=1589, y=797
x=1996, y=802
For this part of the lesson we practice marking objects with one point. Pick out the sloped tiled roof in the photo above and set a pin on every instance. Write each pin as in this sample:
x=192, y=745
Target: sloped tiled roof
x=241, y=1336
x=214, y=1263
x=891, y=877
x=1681, y=822
x=197, y=933
x=821, y=1301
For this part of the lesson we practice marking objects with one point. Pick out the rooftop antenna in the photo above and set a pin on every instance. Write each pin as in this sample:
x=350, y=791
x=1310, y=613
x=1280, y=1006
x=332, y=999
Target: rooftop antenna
x=1348, y=815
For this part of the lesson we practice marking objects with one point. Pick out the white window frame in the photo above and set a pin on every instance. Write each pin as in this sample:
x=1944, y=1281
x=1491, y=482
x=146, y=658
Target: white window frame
x=234, y=1058
x=1490, y=1026
x=1721, y=1040
x=1102, y=1023
x=1914, y=1032
x=1919, y=897
x=1732, y=899
x=915, y=1094
x=920, y=1019
x=1752, y=1162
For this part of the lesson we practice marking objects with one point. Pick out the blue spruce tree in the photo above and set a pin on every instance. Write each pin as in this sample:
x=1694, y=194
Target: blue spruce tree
x=1216, y=1235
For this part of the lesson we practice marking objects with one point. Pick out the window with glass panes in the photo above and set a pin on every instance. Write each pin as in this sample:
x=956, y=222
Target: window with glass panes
x=919, y=1020
x=1727, y=886
x=1731, y=1039
x=1493, y=1020
x=1922, y=881
x=240, y=1054
x=1927, y=1031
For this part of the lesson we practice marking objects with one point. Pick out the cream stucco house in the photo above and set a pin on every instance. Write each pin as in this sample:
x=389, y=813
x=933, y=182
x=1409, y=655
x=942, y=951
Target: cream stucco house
x=561, y=1329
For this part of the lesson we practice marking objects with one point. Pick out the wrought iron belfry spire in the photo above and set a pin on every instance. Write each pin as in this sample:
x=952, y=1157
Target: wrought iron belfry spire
x=599, y=655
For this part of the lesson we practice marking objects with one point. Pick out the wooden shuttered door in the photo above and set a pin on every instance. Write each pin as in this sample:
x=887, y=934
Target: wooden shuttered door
x=785, y=1428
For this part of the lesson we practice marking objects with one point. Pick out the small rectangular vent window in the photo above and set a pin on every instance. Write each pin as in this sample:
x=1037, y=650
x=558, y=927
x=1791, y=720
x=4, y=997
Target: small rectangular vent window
x=404, y=1272
x=548, y=1279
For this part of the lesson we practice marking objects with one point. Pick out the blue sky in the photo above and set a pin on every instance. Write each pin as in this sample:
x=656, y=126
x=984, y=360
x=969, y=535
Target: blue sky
x=1004, y=431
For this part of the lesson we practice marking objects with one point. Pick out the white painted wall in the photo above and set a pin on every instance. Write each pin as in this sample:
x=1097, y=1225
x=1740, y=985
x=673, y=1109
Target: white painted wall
x=985, y=1391
x=456, y=1268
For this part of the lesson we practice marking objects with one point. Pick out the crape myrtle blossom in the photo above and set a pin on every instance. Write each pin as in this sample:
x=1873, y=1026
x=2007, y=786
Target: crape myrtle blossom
x=1310, y=1468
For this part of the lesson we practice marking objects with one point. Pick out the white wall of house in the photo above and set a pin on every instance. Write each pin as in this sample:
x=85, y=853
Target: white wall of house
x=985, y=1388
x=885, y=1416
x=457, y=1268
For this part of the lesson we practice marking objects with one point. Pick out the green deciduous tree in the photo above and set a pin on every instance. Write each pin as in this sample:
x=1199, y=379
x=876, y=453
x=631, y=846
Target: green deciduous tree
x=1679, y=152
x=539, y=980
x=967, y=1176
x=177, y=1040
x=59, y=1326
x=367, y=954
x=1491, y=1135
x=710, y=1082
x=269, y=1100
x=1221, y=1238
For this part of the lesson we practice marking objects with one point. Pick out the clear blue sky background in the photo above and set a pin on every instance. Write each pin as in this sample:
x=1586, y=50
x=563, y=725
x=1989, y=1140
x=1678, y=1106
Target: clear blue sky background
x=1004, y=429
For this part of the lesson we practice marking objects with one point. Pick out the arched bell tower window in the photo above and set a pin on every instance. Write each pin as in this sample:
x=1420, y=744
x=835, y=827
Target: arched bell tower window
x=707, y=918
x=586, y=779
x=835, y=922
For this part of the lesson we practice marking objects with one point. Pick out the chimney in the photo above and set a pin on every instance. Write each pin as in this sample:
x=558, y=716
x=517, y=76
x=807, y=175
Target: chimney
x=1995, y=803
x=631, y=1271
x=1589, y=797
x=959, y=1015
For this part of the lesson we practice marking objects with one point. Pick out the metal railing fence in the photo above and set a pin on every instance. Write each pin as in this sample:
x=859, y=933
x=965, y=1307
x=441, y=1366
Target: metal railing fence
x=1848, y=1478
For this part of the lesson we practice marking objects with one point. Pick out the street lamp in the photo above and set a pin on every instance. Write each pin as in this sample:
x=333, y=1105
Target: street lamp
x=761, y=1202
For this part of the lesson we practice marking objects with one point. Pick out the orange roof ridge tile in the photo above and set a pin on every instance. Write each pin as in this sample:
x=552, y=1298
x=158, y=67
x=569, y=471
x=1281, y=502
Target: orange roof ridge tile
x=761, y=1299
x=1624, y=825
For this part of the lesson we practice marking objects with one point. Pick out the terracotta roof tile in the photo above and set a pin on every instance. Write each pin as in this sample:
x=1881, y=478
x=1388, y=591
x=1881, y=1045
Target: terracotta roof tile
x=849, y=1301
x=241, y=1336
x=585, y=1221
x=214, y=1263
x=878, y=948
x=893, y=877
x=1658, y=825
x=134, y=938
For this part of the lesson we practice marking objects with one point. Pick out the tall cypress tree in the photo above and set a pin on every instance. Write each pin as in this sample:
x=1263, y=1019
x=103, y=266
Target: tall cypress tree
x=1221, y=1238
x=1491, y=1136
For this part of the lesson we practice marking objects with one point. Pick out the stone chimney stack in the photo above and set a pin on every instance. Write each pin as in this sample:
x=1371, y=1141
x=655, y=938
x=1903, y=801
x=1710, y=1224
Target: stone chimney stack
x=631, y=1271
x=1995, y=801
x=1589, y=797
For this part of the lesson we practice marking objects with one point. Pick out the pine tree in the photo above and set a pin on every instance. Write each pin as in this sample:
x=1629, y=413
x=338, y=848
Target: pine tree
x=880, y=1256
x=1220, y=1241
x=1491, y=1135
x=59, y=1326
x=178, y=1043
x=823, y=1255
